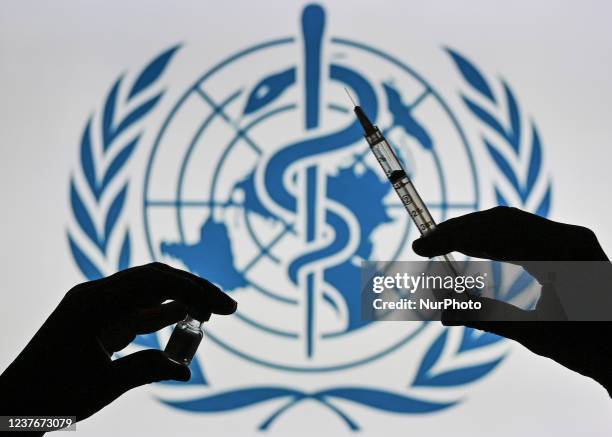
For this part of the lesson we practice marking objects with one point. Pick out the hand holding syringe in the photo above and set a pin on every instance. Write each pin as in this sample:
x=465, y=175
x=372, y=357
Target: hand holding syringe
x=399, y=179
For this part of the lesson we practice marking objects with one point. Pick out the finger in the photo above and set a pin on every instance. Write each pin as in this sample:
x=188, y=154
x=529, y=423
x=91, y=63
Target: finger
x=468, y=234
x=220, y=302
x=145, y=367
x=521, y=332
x=499, y=318
x=116, y=336
x=500, y=233
x=509, y=234
x=156, y=282
x=153, y=319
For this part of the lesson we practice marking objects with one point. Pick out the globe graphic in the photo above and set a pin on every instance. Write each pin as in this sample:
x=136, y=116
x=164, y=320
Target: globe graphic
x=210, y=207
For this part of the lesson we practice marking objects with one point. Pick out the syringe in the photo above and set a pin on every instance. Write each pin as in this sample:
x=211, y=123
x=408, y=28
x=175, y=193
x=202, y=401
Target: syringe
x=399, y=179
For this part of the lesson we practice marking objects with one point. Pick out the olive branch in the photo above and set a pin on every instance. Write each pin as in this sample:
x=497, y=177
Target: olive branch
x=98, y=189
x=518, y=157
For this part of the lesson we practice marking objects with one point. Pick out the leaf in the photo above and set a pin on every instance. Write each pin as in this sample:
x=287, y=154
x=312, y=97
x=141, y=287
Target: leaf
x=113, y=214
x=81, y=215
x=149, y=75
x=430, y=359
x=147, y=340
x=544, y=207
x=385, y=400
x=108, y=133
x=535, y=163
x=486, y=117
x=231, y=400
x=450, y=378
x=462, y=375
x=503, y=165
x=124, y=254
x=473, y=339
x=514, y=136
x=523, y=281
x=137, y=114
x=499, y=198
x=87, y=268
x=152, y=71
x=472, y=75
x=87, y=163
x=119, y=161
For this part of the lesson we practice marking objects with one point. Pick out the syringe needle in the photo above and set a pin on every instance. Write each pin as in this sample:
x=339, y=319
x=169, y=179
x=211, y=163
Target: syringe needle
x=350, y=97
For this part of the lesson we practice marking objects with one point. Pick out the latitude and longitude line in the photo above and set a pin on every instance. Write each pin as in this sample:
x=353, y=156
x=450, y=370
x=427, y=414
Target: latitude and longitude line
x=241, y=133
x=217, y=109
x=265, y=250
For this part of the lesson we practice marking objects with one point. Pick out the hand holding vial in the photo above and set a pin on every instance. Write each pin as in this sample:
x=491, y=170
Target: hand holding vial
x=66, y=369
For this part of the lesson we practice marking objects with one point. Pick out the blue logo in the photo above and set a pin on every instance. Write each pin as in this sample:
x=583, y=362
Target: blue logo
x=259, y=179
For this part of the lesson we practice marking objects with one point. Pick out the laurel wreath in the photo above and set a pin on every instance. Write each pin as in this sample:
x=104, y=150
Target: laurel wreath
x=99, y=188
x=504, y=121
x=102, y=163
x=103, y=194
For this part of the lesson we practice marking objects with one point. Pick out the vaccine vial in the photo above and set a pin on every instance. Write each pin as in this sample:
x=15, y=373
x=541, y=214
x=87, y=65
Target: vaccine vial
x=185, y=340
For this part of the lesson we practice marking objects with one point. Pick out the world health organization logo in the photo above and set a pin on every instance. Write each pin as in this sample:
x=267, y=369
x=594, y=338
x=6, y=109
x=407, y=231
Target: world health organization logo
x=259, y=179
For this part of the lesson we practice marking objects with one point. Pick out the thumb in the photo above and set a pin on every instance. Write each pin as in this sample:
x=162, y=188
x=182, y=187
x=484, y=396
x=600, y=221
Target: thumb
x=145, y=367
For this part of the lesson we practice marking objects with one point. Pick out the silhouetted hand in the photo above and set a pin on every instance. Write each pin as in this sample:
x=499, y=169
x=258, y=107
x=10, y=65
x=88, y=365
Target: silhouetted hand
x=66, y=369
x=512, y=235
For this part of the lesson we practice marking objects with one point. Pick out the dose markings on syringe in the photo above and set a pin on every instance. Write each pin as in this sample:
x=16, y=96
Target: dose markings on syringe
x=418, y=213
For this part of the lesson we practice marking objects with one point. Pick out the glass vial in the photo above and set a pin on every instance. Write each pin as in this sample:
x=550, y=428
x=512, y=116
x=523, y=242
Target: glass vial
x=185, y=340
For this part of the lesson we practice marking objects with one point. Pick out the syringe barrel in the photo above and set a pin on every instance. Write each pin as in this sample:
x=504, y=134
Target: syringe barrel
x=401, y=182
x=402, y=185
x=413, y=203
x=405, y=190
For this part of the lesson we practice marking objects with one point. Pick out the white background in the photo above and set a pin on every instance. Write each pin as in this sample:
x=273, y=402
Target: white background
x=58, y=60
